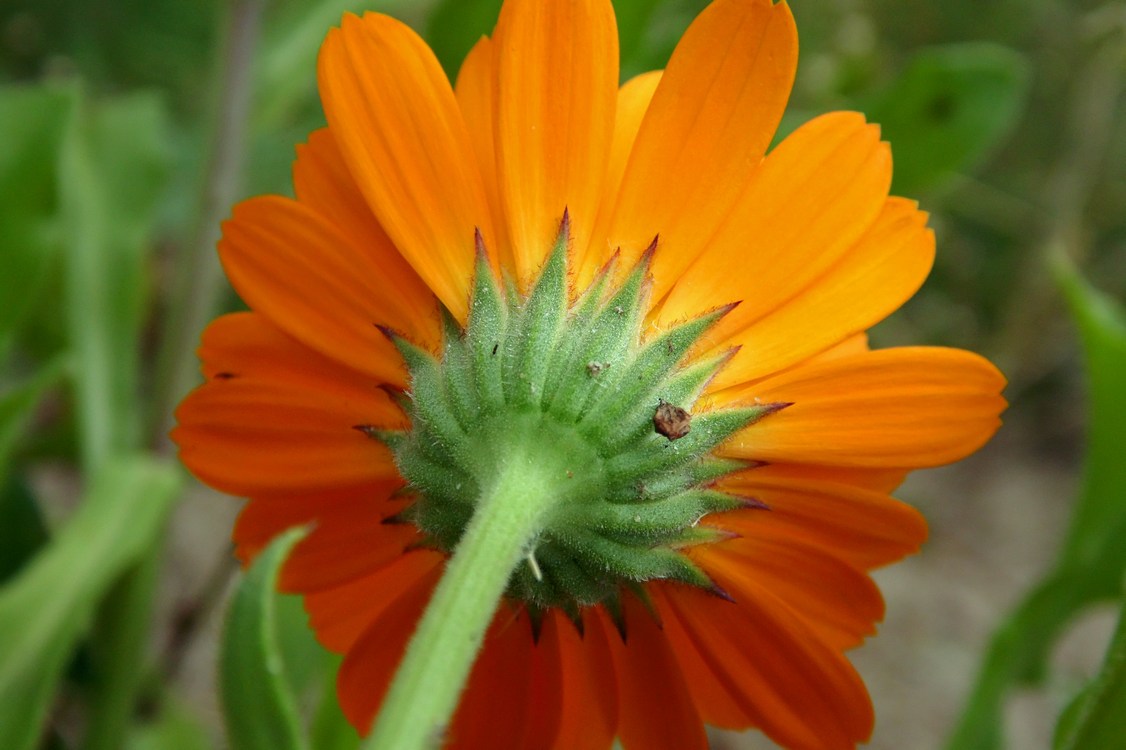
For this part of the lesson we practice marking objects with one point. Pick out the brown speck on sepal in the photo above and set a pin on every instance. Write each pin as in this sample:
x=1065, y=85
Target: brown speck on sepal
x=671, y=421
x=223, y=376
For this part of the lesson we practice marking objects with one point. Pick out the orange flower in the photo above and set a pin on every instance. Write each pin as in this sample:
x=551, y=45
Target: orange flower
x=382, y=232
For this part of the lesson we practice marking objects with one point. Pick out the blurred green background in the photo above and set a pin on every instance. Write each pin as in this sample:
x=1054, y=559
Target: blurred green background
x=128, y=128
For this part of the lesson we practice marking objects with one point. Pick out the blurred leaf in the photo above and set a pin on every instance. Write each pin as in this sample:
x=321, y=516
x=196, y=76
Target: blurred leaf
x=634, y=17
x=112, y=168
x=287, y=63
x=22, y=530
x=21, y=527
x=1098, y=718
x=1092, y=563
x=174, y=729
x=32, y=120
x=456, y=25
x=947, y=109
x=258, y=703
x=17, y=405
x=1069, y=718
x=1098, y=524
x=330, y=730
x=47, y=607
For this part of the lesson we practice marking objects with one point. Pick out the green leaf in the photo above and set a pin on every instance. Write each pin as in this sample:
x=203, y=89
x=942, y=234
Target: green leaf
x=456, y=25
x=947, y=109
x=1098, y=523
x=32, y=120
x=330, y=730
x=112, y=168
x=22, y=529
x=1092, y=562
x=258, y=702
x=17, y=405
x=174, y=729
x=1098, y=719
x=47, y=607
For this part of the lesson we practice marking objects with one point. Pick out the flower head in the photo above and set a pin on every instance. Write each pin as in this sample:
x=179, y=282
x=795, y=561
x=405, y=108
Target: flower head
x=618, y=293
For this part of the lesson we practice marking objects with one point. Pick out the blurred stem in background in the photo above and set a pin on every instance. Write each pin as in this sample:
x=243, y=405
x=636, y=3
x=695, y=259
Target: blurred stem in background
x=199, y=278
x=120, y=635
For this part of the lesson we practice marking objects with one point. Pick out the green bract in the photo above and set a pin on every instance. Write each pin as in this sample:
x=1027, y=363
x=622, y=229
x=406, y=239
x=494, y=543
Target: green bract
x=577, y=390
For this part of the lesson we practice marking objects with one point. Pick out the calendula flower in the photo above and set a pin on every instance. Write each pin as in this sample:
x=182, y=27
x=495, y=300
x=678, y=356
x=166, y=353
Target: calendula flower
x=576, y=375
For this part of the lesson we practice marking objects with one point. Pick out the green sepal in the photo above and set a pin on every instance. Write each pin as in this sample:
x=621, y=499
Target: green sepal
x=627, y=386
x=659, y=455
x=702, y=473
x=456, y=364
x=602, y=556
x=634, y=421
x=431, y=403
x=657, y=522
x=488, y=319
x=536, y=327
x=565, y=358
x=611, y=335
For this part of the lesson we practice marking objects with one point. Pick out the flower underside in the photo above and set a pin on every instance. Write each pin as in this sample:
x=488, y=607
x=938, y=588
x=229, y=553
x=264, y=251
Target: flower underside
x=604, y=412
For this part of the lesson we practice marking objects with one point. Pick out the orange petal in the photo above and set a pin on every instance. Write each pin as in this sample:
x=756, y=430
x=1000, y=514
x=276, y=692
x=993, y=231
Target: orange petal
x=557, y=83
x=266, y=516
x=494, y=710
x=251, y=437
x=322, y=181
x=588, y=716
x=293, y=267
x=370, y=662
x=248, y=346
x=866, y=527
x=800, y=692
x=633, y=102
x=340, y=615
x=476, y=90
x=714, y=699
x=394, y=116
x=655, y=709
x=804, y=206
x=867, y=284
x=346, y=544
x=905, y=407
x=835, y=598
x=711, y=119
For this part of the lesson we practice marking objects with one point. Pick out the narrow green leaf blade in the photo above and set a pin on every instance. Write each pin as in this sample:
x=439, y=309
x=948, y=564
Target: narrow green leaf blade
x=1099, y=718
x=1093, y=560
x=113, y=164
x=32, y=121
x=1098, y=523
x=17, y=405
x=258, y=704
x=47, y=607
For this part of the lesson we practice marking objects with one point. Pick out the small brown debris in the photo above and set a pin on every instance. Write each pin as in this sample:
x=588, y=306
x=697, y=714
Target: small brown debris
x=594, y=369
x=672, y=421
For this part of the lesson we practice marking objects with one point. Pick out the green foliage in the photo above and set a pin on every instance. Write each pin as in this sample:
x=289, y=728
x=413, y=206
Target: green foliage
x=112, y=166
x=47, y=607
x=31, y=127
x=1097, y=716
x=1092, y=564
x=258, y=702
x=947, y=109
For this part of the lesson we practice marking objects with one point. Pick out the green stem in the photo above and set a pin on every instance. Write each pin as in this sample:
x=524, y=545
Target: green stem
x=424, y=694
